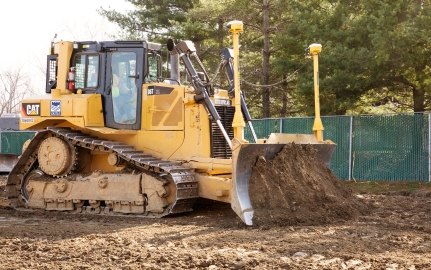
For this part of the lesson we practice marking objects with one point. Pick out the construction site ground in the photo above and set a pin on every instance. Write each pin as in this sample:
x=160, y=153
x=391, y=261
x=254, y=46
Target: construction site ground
x=395, y=234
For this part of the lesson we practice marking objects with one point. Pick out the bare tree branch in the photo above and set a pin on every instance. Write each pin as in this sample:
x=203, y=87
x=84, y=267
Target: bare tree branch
x=14, y=86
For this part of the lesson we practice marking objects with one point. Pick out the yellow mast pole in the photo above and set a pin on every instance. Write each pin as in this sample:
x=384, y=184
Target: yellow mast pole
x=238, y=124
x=315, y=49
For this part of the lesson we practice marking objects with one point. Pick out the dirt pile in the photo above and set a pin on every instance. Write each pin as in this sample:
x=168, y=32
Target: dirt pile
x=296, y=188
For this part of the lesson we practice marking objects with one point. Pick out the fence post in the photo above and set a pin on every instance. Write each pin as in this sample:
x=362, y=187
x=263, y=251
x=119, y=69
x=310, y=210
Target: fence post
x=429, y=147
x=350, y=146
x=281, y=125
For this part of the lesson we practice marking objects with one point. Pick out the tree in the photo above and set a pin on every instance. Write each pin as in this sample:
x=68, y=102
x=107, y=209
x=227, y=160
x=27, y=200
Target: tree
x=14, y=86
x=402, y=41
x=374, y=52
x=155, y=19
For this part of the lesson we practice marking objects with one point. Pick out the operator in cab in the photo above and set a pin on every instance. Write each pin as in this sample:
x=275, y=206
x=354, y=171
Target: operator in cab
x=124, y=98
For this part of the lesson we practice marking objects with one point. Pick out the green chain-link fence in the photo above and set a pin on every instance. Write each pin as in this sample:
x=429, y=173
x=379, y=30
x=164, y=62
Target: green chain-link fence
x=378, y=147
x=11, y=142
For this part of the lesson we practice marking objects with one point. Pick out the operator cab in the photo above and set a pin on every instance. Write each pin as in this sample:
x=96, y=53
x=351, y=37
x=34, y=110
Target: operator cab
x=116, y=70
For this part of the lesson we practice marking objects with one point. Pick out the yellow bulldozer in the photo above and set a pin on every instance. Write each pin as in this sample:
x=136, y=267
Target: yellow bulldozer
x=115, y=137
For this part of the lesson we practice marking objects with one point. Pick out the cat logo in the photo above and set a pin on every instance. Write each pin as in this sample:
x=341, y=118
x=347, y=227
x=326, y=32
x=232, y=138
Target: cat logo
x=30, y=109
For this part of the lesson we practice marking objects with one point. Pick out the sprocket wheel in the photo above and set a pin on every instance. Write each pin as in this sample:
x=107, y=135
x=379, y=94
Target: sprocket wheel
x=56, y=157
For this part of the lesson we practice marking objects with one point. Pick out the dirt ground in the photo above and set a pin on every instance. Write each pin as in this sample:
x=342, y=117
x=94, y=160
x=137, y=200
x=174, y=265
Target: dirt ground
x=395, y=234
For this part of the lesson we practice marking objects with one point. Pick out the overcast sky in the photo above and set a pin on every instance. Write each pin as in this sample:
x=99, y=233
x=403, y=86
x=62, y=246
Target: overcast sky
x=27, y=28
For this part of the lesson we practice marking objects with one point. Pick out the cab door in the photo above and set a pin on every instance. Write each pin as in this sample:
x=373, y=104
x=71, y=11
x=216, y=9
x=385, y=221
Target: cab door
x=123, y=88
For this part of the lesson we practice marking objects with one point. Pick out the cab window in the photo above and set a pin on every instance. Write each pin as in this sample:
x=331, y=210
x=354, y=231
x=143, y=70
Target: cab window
x=86, y=71
x=153, y=69
x=124, y=91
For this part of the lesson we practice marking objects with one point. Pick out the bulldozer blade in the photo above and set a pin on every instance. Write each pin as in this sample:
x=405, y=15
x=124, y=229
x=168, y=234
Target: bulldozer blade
x=7, y=162
x=244, y=158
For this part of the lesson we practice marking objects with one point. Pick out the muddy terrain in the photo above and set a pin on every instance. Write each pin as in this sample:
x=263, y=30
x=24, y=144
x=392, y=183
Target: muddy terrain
x=395, y=234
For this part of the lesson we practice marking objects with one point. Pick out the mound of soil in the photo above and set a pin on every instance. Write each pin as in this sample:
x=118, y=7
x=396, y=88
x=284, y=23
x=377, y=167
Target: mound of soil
x=296, y=188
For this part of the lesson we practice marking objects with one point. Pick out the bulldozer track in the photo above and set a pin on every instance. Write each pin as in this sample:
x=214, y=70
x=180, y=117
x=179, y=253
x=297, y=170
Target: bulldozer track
x=183, y=178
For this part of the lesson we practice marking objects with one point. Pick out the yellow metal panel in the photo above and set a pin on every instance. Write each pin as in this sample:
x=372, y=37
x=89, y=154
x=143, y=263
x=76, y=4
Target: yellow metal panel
x=76, y=109
x=198, y=131
x=195, y=144
x=163, y=111
x=94, y=116
x=45, y=107
x=67, y=106
x=162, y=144
x=64, y=50
x=79, y=106
x=43, y=122
x=215, y=187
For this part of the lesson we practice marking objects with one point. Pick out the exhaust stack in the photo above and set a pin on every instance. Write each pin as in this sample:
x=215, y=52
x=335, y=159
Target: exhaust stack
x=174, y=61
